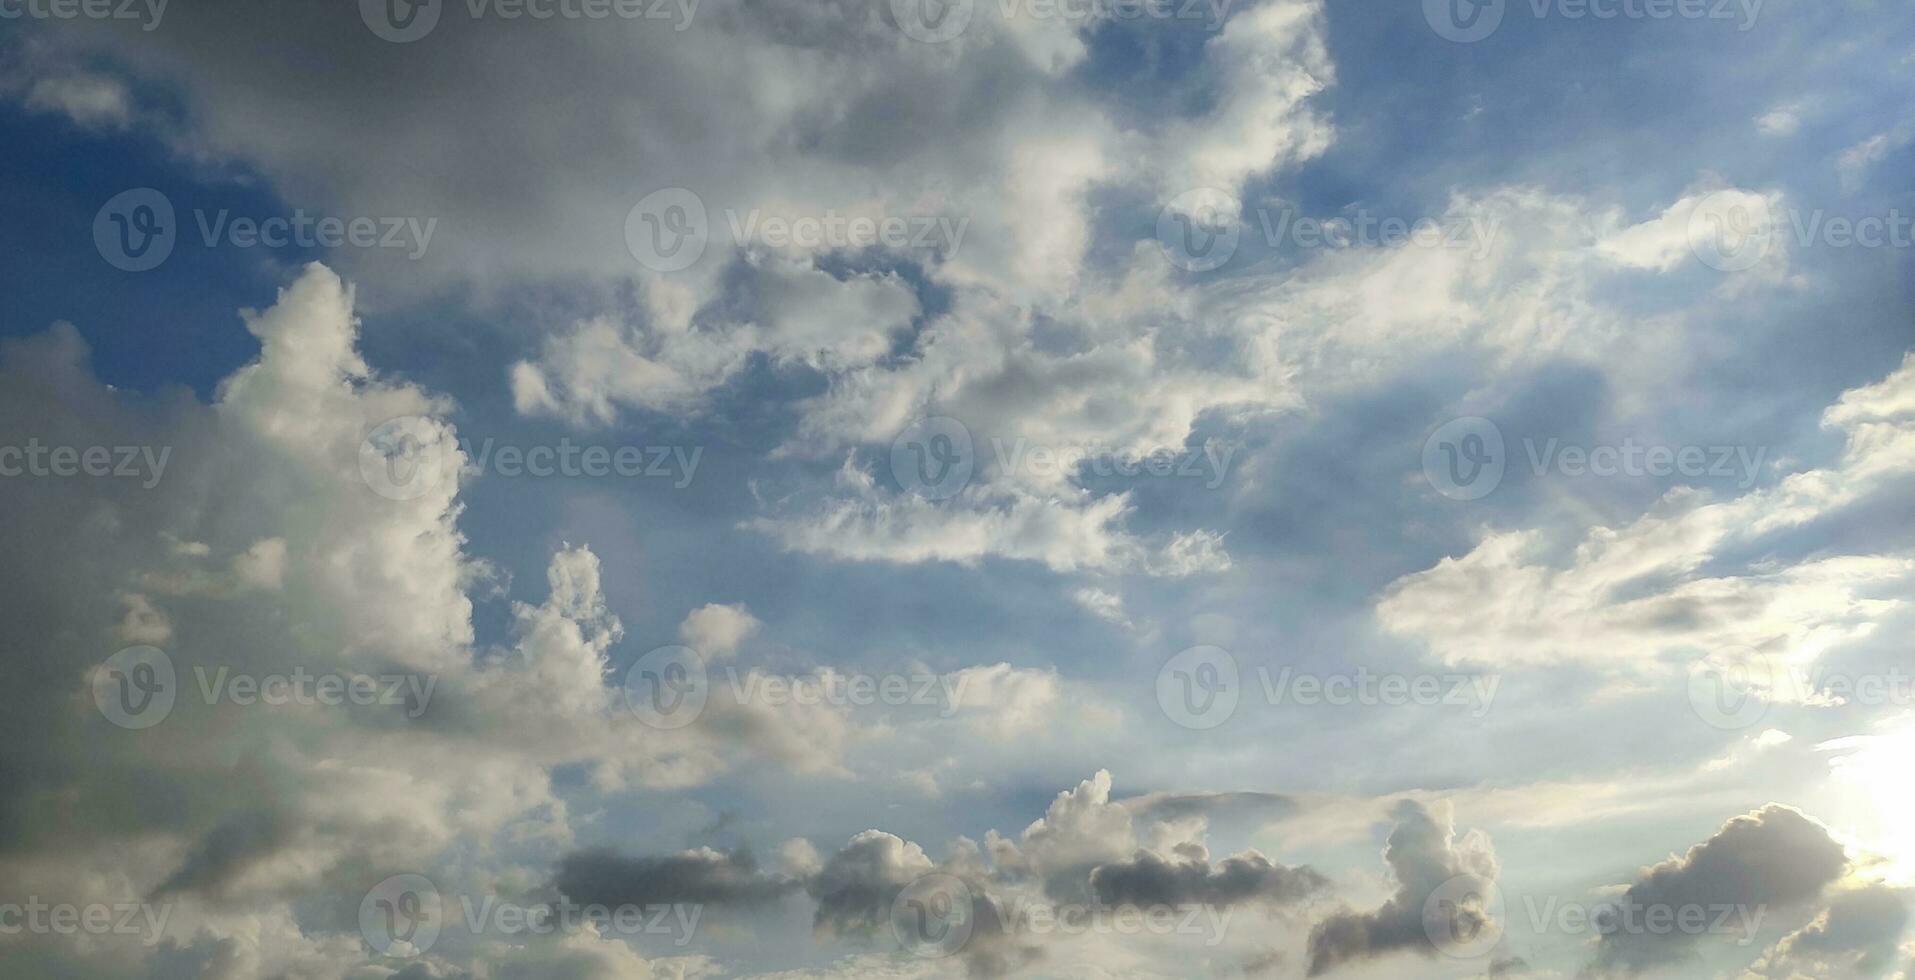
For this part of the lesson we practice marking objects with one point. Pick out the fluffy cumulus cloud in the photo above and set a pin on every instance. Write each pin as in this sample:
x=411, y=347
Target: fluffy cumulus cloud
x=266, y=809
x=1426, y=860
x=1858, y=934
x=959, y=255
x=999, y=208
x=1770, y=859
x=240, y=810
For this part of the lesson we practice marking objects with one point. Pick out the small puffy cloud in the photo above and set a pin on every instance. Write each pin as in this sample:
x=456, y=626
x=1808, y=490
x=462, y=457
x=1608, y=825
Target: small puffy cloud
x=1424, y=854
x=716, y=631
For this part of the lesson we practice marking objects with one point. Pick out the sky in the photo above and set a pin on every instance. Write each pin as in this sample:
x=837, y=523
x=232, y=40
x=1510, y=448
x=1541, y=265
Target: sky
x=621, y=489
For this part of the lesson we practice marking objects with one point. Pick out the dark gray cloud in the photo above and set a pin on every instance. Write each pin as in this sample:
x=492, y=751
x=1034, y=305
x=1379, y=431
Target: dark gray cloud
x=1856, y=935
x=1217, y=809
x=1775, y=856
x=858, y=886
x=226, y=852
x=855, y=888
x=1150, y=879
x=703, y=876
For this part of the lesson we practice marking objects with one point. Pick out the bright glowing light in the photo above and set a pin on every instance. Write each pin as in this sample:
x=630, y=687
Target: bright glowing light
x=1871, y=788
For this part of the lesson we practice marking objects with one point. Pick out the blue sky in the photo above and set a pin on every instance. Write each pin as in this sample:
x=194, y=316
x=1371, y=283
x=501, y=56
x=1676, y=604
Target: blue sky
x=1647, y=235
